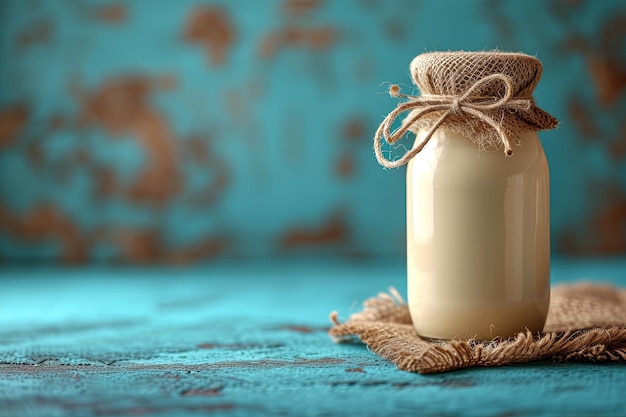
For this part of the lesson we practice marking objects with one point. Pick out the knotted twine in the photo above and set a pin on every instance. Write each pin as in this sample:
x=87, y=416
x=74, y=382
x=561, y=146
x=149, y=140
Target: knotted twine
x=586, y=322
x=485, y=96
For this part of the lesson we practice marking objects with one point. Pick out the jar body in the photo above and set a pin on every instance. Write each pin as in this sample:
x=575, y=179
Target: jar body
x=478, y=238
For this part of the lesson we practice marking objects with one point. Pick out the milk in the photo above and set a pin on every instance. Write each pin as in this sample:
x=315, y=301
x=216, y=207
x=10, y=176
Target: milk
x=478, y=238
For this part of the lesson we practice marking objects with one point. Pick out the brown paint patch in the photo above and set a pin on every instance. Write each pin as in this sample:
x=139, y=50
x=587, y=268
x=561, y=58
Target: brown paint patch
x=334, y=230
x=302, y=328
x=197, y=149
x=38, y=32
x=81, y=156
x=111, y=13
x=354, y=129
x=118, y=105
x=298, y=8
x=208, y=345
x=145, y=246
x=617, y=147
x=310, y=38
x=200, y=151
x=207, y=248
x=157, y=183
x=609, y=223
x=609, y=77
x=493, y=11
x=211, y=28
x=583, y=118
x=299, y=329
x=395, y=29
x=345, y=165
x=105, y=182
x=202, y=392
x=355, y=370
x=122, y=106
x=608, y=68
x=46, y=222
x=12, y=121
x=603, y=56
x=35, y=154
x=57, y=122
x=167, y=82
x=568, y=243
x=605, y=231
x=140, y=246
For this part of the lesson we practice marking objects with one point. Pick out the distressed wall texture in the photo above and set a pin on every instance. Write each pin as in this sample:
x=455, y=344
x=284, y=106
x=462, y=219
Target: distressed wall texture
x=174, y=131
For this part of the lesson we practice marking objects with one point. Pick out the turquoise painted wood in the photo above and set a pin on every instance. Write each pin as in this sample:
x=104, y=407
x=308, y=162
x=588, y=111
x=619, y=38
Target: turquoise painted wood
x=250, y=339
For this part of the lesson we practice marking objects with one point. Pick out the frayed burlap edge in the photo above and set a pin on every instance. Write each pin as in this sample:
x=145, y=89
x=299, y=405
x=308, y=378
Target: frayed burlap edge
x=585, y=323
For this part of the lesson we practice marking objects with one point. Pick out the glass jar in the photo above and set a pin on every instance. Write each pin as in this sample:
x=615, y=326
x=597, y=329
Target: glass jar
x=478, y=238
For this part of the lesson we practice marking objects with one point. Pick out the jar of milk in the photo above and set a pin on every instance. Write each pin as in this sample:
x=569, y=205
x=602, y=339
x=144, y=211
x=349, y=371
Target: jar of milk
x=478, y=195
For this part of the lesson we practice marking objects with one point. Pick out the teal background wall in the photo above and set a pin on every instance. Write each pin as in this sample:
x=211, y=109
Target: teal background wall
x=174, y=131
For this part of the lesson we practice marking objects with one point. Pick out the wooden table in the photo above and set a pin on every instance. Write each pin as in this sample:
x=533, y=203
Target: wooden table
x=249, y=338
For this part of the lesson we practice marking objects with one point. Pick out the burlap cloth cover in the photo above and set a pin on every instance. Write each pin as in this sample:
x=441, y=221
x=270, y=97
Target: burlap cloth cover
x=485, y=96
x=585, y=323
x=453, y=73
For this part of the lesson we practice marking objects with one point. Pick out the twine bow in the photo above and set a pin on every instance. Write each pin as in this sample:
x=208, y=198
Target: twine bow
x=476, y=106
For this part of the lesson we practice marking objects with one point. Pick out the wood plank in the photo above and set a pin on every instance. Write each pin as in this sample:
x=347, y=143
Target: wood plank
x=250, y=339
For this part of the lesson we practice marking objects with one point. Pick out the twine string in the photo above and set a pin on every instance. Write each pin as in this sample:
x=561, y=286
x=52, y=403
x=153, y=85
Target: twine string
x=468, y=103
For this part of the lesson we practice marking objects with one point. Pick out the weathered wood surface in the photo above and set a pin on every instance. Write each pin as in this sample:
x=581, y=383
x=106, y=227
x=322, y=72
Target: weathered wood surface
x=250, y=339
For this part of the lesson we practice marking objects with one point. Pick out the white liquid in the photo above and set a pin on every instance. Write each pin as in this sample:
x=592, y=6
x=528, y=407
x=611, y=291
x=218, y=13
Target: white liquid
x=478, y=238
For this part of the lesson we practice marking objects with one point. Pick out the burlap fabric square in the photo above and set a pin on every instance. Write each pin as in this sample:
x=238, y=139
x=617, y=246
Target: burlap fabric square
x=586, y=322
